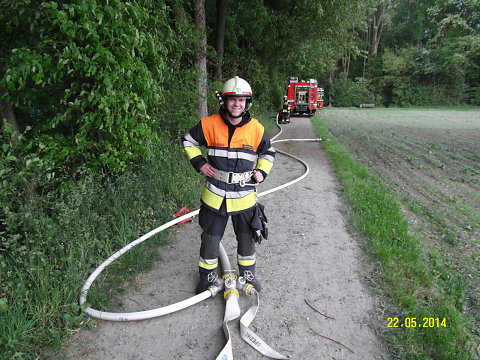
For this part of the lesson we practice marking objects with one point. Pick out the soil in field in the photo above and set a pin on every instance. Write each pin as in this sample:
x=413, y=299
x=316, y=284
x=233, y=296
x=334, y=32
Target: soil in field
x=431, y=158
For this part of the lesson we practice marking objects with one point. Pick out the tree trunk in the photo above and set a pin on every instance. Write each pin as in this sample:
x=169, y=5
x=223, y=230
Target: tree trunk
x=330, y=83
x=178, y=12
x=346, y=63
x=376, y=28
x=220, y=37
x=201, y=55
x=367, y=44
x=7, y=114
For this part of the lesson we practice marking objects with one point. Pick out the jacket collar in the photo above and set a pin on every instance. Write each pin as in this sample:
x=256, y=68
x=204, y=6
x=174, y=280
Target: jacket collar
x=245, y=119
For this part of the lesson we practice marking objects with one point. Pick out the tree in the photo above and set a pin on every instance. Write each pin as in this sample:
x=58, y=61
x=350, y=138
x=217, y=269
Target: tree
x=285, y=38
x=89, y=79
x=444, y=39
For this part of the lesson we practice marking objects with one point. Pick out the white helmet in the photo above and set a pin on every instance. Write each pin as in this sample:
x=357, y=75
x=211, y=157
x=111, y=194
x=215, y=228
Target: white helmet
x=237, y=87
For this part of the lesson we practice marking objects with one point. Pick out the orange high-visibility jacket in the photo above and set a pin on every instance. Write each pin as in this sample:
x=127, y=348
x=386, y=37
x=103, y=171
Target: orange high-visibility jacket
x=244, y=148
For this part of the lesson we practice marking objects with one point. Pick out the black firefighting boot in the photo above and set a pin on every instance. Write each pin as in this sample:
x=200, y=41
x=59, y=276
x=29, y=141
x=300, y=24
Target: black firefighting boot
x=248, y=272
x=206, y=279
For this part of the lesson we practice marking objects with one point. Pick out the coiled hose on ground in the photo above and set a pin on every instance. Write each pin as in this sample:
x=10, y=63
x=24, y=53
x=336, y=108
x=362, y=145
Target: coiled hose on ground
x=224, y=261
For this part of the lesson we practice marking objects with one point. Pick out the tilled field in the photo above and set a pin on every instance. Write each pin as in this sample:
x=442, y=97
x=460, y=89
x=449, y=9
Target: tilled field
x=431, y=159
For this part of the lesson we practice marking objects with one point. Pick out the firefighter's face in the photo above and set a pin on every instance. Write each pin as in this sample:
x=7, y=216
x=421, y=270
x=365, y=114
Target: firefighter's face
x=236, y=106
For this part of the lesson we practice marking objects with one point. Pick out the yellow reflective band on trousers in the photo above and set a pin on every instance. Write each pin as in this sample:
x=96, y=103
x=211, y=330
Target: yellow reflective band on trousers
x=206, y=266
x=264, y=165
x=249, y=262
x=192, y=152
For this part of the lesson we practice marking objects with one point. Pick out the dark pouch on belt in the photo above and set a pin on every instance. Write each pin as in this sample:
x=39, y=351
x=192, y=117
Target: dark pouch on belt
x=259, y=224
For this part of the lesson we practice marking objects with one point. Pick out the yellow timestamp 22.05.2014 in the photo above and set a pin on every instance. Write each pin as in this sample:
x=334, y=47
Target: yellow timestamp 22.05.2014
x=413, y=322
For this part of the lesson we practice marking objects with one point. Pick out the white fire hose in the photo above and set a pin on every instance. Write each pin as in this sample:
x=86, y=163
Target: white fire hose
x=230, y=283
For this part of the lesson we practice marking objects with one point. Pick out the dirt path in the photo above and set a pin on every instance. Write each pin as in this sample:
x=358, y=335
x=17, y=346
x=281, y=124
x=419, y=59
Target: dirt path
x=309, y=257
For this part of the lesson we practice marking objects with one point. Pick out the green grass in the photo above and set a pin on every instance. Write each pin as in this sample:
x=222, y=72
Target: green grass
x=68, y=233
x=442, y=107
x=414, y=284
x=267, y=120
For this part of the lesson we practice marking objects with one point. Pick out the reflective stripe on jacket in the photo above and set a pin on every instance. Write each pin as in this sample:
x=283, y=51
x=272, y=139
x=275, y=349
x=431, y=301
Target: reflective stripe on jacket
x=248, y=148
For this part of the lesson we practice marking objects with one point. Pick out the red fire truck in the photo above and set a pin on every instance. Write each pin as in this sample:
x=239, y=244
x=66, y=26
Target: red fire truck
x=304, y=97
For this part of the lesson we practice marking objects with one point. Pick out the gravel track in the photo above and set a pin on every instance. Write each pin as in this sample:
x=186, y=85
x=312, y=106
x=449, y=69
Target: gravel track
x=309, y=258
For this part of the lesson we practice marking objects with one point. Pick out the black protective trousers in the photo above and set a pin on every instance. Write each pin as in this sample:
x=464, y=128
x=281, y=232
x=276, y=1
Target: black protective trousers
x=213, y=226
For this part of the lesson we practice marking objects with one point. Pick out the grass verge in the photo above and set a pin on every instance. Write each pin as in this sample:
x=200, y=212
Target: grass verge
x=406, y=276
x=66, y=234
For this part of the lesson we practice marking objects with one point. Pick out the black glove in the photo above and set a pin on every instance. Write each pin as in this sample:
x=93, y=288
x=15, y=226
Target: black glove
x=259, y=224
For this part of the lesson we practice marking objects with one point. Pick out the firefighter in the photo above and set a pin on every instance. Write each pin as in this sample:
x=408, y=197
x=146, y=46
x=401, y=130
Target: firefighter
x=239, y=156
x=285, y=111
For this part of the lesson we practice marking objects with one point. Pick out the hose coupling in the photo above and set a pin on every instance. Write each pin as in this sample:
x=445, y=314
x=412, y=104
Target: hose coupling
x=229, y=274
x=230, y=282
x=216, y=287
x=245, y=287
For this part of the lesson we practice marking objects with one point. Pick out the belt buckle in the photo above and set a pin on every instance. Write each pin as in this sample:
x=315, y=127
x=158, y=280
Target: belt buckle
x=230, y=177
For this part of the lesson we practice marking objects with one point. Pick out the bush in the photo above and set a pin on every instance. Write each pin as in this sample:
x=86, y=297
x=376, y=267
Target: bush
x=52, y=243
x=475, y=95
x=420, y=95
x=429, y=95
x=94, y=80
x=347, y=92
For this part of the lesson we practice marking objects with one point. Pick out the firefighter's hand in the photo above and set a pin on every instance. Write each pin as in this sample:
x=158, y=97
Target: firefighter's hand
x=208, y=170
x=257, y=176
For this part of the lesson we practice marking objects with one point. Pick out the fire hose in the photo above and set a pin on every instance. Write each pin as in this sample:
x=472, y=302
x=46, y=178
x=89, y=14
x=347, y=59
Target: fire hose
x=230, y=283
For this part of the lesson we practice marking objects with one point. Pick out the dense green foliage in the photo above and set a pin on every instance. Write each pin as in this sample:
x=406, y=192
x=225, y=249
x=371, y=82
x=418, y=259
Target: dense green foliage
x=89, y=79
x=96, y=88
x=430, y=53
x=66, y=233
x=94, y=93
x=352, y=93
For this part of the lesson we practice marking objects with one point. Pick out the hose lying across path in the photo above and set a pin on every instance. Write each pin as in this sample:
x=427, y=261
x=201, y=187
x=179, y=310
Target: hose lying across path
x=232, y=310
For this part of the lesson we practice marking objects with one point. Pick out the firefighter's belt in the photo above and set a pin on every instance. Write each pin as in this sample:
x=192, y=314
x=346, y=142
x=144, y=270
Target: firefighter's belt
x=233, y=178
